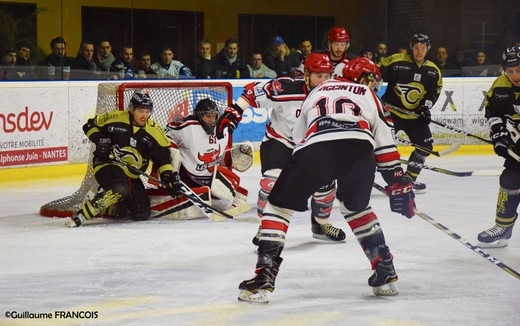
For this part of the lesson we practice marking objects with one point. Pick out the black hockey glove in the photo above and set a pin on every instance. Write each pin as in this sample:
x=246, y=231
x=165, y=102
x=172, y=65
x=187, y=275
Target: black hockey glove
x=172, y=181
x=103, y=149
x=500, y=138
x=402, y=197
x=425, y=116
x=230, y=119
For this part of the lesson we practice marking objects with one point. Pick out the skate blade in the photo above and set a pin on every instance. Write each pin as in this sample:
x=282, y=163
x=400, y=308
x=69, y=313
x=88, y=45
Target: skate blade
x=70, y=223
x=250, y=297
x=325, y=238
x=496, y=244
x=386, y=290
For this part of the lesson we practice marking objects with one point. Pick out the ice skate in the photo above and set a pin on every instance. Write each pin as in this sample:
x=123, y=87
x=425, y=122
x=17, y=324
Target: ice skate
x=76, y=220
x=495, y=237
x=256, y=289
x=384, y=279
x=256, y=238
x=419, y=187
x=327, y=232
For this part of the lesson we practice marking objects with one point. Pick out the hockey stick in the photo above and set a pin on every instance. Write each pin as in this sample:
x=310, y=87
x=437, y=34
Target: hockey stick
x=436, y=169
x=452, y=148
x=460, y=239
x=510, y=151
x=185, y=190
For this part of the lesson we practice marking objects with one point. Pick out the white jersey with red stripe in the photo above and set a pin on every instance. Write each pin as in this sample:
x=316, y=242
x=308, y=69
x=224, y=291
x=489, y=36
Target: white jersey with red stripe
x=340, y=109
x=284, y=96
x=200, y=153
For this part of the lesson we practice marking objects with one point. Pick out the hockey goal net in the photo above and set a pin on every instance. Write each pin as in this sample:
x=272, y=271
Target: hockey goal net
x=172, y=100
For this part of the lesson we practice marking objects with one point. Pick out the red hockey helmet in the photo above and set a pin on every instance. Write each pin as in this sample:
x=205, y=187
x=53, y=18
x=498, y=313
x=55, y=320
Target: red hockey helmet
x=318, y=62
x=361, y=67
x=338, y=34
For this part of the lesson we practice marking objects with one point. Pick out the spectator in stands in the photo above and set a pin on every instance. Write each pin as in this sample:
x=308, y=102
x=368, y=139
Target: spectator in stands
x=257, y=69
x=381, y=52
x=204, y=66
x=304, y=49
x=368, y=52
x=229, y=62
x=459, y=59
x=104, y=57
x=24, y=62
x=84, y=66
x=482, y=65
x=445, y=65
x=280, y=59
x=9, y=71
x=126, y=57
x=58, y=57
x=168, y=68
x=23, y=50
x=144, y=66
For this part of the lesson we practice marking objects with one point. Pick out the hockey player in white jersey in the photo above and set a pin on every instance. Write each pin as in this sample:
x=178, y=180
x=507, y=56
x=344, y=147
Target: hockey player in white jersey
x=285, y=96
x=343, y=133
x=204, y=164
x=338, y=42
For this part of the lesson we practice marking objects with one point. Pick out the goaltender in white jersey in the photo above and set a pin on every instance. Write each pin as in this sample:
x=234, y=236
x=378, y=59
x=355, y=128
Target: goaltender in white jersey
x=205, y=165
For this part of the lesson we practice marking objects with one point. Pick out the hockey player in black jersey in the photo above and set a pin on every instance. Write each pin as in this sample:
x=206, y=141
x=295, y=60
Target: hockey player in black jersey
x=414, y=84
x=343, y=133
x=137, y=140
x=503, y=115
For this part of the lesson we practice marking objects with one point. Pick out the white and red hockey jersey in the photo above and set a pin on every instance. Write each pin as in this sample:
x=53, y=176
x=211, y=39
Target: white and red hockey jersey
x=284, y=96
x=340, y=109
x=200, y=153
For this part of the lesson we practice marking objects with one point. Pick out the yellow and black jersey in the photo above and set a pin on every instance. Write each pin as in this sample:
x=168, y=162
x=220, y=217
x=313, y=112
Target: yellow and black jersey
x=135, y=145
x=409, y=85
x=502, y=100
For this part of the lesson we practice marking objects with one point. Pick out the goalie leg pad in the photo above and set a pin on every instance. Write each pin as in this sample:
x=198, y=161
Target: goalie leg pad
x=223, y=188
x=179, y=208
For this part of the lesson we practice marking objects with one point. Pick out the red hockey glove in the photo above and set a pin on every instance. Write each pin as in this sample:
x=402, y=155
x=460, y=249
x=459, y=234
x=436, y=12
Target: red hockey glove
x=229, y=119
x=402, y=197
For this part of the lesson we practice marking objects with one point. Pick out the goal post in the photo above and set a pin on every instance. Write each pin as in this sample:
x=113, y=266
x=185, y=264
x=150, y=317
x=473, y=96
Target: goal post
x=171, y=101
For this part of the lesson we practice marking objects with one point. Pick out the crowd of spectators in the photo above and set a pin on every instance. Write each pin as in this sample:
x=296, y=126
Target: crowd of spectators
x=277, y=59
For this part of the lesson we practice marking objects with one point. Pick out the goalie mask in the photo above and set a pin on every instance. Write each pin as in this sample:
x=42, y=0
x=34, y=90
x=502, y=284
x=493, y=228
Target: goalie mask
x=207, y=113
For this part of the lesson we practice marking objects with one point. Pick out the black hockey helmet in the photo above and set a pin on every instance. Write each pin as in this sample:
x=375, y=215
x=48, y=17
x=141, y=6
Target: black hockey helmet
x=511, y=57
x=141, y=100
x=420, y=38
x=206, y=106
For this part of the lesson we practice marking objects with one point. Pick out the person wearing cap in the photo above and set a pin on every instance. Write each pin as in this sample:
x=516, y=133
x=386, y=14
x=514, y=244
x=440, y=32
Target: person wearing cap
x=280, y=59
x=8, y=65
x=133, y=137
x=501, y=111
x=414, y=85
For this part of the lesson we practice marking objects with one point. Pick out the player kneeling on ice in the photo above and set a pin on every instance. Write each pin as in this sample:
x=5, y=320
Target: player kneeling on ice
x=343, y=133
x=205, y=164
x=137, y=140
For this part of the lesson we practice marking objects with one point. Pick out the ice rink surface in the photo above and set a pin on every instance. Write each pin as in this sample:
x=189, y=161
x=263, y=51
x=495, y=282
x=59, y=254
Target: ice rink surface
x=170, y=272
